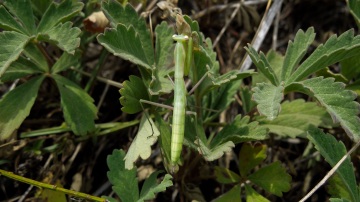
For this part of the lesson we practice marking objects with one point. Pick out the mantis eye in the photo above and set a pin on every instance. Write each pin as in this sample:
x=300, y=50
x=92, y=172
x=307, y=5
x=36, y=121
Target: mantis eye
x=180, y=38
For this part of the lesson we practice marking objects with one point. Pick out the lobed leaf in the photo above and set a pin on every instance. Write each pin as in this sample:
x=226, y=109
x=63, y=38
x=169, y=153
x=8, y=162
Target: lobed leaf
x=58, y=13
x=124, y=181
x=127, y=17
x=333, y=151
x=62, y=35
x=245, y=96
x=15, y=106
x=151, y=187
x=141, y=145
x=296, y=118
x=334, y=50
x=78, y=107
x=338, y=102
x=33, y=54
x=276, y=61
x=13, y=44
x=23, y=13
x=132, y=92
x=213, y=153
x=296, y=51
x=20, y=68
x=263, y=65
x=125, y=43
x=240, y=130
x=273, y=178
x=250, y=156
x=268, y=98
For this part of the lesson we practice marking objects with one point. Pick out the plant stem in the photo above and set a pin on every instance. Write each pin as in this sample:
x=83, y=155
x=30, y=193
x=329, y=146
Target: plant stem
x=51, y=187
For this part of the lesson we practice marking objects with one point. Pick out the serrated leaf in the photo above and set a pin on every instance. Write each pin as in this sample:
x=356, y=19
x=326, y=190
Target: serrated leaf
x=78, y=107
x=226, y=176
x=333, y=151
x=141, y=145
x=251, y=156
x=14, y=44
x=268, y=98
x=125, y=43
x=7, y=22
x=62, y=35
x=350, y=67
x=296, y=118
x=276, y=61
x=240, y=130
x=338, y=102
x=124, y=181
x=15, y=106
x=296, y=51
x=23, y=12
x=163, y=57
x=65, y=61
x=253, y=196
x=334, y=50
x=128, y=17
x=132, y=92
x=57, y=13
x=326, y=72
x=232, y=195
x=263, y=65
x=151, y=187
x=213, y=153
x=273, y=178
x=20, y=68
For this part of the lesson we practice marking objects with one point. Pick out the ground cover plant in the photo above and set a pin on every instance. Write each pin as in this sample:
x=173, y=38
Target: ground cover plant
x=196, y=123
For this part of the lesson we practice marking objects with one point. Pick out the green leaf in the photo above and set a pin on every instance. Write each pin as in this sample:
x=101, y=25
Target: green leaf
x=213, y=153
x=78, y=107
x=333, y=151
x=63, y=35
x=15, y=43
x=125, y=43
x=296, y=118
x=337, y=188
x=165, y=140
x=263, y=65
x=253, y=196
x=57, y=13
x=151, y=187
x=124, y=181
x=326, y=72
x=7, y=22
x=232, y=195
x=127, y=17
x=268, y=98
x=132, y=92
x=250, y=156
x=247, y=103
x=40, y=7
x=276, y=61
x=240, y=130
x=15, y=106
x=350, y=67
x=226, y=176
x=164, y=60
x=22, y=10
x=296, y=51
x=338, y=200
x=141, y=145
x=354, y=6
x=65, y=61
x=20, y=68
x=334, y=50
x=33, y=54
x=273, y=178
x=338, y=102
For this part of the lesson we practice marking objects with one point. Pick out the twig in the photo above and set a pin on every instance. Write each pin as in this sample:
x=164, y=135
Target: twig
x=51, y=187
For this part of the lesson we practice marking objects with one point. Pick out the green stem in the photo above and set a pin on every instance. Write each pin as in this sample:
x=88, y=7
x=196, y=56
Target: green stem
x=51, y=187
